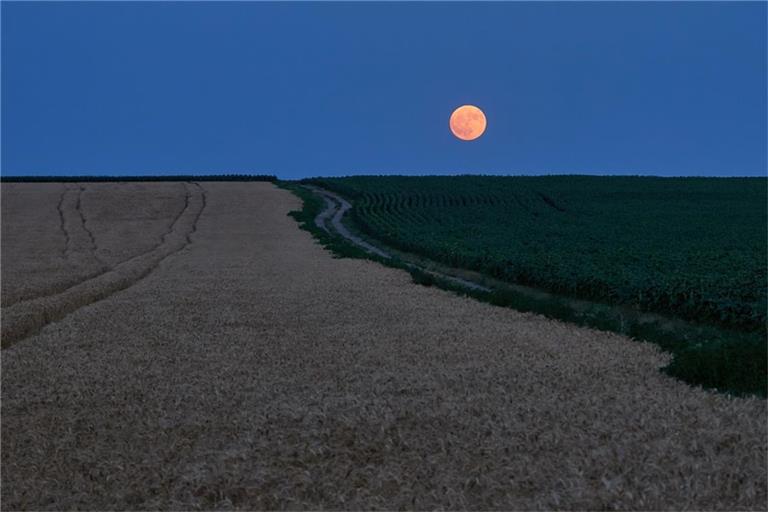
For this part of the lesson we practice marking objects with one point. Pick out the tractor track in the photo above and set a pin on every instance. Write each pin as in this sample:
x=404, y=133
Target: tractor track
x=103, y=266
x=93, y=247
x=330, y=220
x=25, y=318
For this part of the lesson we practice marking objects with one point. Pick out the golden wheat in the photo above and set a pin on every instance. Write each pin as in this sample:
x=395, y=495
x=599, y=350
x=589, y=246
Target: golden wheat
x=250, y=369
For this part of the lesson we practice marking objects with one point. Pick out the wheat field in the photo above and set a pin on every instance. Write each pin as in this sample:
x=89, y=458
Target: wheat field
x=187, y=346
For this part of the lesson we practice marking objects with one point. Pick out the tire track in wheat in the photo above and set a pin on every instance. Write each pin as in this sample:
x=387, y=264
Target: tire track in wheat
x=67, y=252
x=93, y=247
x=199, y=213
x=26, y=318
x=79, y=248
x=62, y=223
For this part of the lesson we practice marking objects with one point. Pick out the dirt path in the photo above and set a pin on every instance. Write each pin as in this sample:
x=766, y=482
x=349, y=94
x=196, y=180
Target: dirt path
x=335, y=209
x=251, y=369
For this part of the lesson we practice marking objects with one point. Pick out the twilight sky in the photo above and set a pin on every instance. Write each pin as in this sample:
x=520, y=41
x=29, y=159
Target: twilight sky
x=307, y=89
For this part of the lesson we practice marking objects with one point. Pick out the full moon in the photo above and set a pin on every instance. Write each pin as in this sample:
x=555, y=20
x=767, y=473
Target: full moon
x=467, y=122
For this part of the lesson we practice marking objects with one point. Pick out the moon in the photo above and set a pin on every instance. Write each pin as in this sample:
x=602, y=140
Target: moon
x=467, y=122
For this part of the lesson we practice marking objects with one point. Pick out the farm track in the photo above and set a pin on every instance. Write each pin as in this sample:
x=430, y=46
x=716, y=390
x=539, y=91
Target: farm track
x=62, y=223
x=199, y=212
x=79, y=247
x=335, y=209
x=252, y=370
x=93, y=248
x=29, y=316
x=80, y=242
x=68, y=218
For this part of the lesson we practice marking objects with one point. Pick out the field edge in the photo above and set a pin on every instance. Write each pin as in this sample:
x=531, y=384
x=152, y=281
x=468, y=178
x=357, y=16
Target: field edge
x=730, y=362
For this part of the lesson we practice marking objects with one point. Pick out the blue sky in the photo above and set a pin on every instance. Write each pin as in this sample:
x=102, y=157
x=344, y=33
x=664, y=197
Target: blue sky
x=307, y=89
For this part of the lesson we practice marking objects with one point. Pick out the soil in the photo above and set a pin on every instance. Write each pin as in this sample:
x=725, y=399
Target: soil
x=331, y=219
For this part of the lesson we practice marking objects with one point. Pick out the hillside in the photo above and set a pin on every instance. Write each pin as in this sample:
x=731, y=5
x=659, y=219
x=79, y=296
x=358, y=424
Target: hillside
x=250, y=369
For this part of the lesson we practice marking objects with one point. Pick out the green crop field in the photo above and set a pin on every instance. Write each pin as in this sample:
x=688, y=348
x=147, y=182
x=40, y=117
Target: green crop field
x=691, y=247
x=687, y=248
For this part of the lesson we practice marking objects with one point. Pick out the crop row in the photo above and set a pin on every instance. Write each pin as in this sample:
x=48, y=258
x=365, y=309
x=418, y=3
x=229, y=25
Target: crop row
x=691, y=247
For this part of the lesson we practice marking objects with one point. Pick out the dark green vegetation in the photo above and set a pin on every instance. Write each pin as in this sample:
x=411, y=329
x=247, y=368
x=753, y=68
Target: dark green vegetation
x=312, y=206
x=177, y=177
x=695, y=248
x=687, y=248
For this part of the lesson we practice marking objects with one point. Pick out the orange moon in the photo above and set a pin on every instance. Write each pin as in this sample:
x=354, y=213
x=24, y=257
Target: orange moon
x=467, y=122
